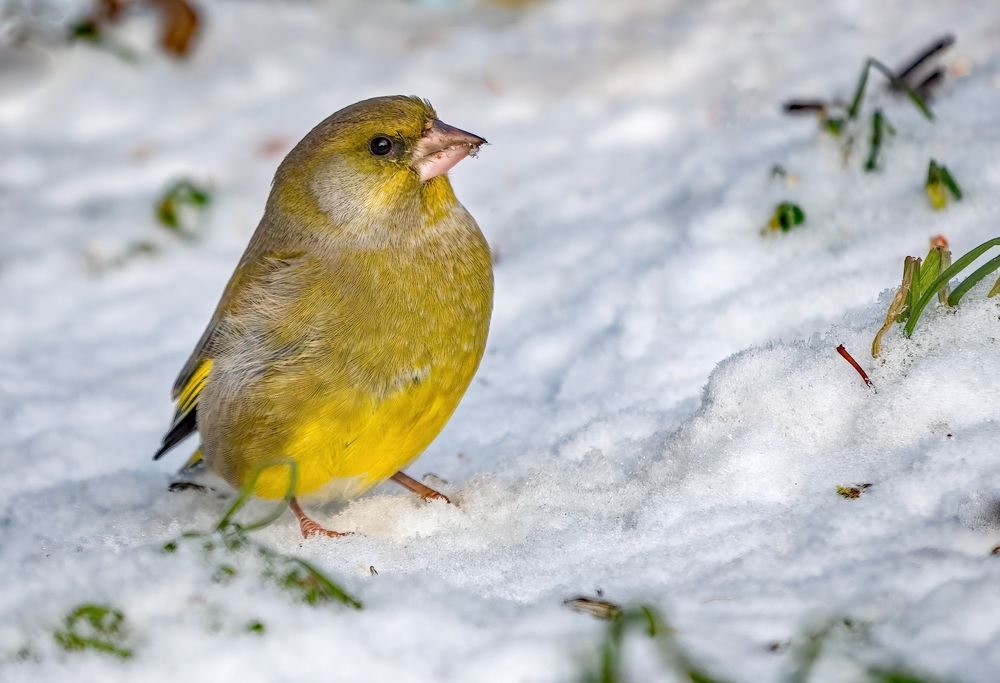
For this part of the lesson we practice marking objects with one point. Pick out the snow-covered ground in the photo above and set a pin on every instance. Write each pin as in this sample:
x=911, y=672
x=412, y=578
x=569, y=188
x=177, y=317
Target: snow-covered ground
x=660, y=415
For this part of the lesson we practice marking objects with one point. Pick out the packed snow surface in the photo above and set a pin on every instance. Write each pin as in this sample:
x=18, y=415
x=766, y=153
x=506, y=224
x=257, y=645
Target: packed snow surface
x=661, y=414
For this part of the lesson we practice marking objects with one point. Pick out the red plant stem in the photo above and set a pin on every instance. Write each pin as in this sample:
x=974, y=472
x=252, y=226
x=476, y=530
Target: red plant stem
x=850, y=359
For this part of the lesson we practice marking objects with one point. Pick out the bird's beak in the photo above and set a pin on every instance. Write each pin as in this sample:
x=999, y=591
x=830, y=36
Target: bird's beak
x=441, y=147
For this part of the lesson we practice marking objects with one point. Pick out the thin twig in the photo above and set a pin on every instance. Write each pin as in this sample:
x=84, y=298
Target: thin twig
x=926, y=87
x=803, y=106
x=942, y=43
x=850, y=359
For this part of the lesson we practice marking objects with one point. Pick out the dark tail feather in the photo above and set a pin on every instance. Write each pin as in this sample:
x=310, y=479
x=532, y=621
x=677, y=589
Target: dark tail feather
x=180, y=431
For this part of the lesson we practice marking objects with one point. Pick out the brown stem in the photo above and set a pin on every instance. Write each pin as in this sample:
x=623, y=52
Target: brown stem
x=850, y=359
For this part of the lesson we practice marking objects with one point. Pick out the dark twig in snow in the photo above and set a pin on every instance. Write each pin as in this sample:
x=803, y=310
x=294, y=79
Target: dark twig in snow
x=850, y=359
x=905, y=73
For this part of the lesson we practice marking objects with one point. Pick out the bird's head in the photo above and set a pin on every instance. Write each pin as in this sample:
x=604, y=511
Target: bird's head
x=382, y=160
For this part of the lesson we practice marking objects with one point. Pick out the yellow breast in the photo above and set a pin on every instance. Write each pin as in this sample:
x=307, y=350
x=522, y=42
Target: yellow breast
x=394, y=339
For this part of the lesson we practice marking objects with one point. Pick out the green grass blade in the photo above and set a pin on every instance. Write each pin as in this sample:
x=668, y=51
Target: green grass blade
x=878, y=118
x=943, y=279
x=930, y=268
x=949, y=181
x=971, y=281
x=329, y=587
x=910, y=92
x=859, y=92
x=995, y=290
x=914, y=294
x=247, y=492
x=933, y=173
x=945, y=263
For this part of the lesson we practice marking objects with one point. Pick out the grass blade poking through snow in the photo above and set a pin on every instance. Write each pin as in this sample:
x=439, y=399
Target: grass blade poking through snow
x=94, y=627
x=90, y=31
x=859, y=92
x=247, y=492
x=610, y=665
x=880, y=126
x=786, y=216
x=810, y=649
x=936, y=261
x=181, y=199
x=321, y=588
x=995, y=290
x=945, y=277
x=305, y=580
x=971, y=281
x=939, y=183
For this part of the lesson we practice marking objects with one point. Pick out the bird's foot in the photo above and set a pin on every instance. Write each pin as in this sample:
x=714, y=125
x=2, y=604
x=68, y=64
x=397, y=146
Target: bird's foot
x=309, y=526
x=422, y=490
x=188, y=486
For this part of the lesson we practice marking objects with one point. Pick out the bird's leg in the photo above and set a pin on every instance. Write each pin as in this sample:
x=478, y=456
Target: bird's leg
x=309, y=526
x=422, y=490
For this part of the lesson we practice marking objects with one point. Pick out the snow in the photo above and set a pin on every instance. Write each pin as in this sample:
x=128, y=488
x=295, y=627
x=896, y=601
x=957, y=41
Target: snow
x=661, y=413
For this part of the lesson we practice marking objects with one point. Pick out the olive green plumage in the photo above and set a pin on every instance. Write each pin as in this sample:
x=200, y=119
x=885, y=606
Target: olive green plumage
x=357, y=316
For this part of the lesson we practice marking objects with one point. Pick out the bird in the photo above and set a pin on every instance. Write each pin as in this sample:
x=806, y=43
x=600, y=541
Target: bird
x=354, y=321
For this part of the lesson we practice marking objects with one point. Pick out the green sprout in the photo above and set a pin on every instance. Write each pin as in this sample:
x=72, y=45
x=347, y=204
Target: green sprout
x=835, y=118
x=180, y=199
x=243, y=497
x=806, y=652
x=898, y=675
x=89, y=31
x=880, y=125
x=918, y=275
x=610, y=664
x=310, y=584
x=942, y=280
x=94, y=627
x=995, y=289
x=834, y=125
x=809, y=649
x=786, y=216
x=939, y=183
x=923, y=280
x=854, y=109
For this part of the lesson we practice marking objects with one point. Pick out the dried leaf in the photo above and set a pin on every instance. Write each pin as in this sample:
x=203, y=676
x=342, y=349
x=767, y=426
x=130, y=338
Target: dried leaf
x=180, y=22
x=910, y=265
x=595, y=607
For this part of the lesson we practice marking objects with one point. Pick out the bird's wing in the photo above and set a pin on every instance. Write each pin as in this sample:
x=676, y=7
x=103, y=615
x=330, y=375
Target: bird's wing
x=195, y=373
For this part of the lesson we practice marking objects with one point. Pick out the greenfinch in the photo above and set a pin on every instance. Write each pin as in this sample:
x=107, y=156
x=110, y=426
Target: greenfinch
x=355, y=319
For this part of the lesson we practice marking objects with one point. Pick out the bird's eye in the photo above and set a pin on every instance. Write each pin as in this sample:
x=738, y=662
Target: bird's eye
x=380, y=145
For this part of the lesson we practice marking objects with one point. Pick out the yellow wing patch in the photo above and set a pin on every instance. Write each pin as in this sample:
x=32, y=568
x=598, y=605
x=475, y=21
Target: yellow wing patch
x=193, y=460
x=188, y=397
x=185, y=420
